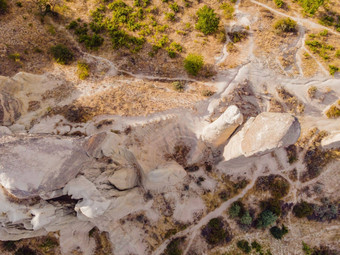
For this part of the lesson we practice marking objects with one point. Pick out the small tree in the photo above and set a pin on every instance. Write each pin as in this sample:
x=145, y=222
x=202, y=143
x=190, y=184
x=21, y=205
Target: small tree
x=62, y=54
x=277, y=232
x=246, y=219
x=193, y=63
x=207, y=21
x=266, y=218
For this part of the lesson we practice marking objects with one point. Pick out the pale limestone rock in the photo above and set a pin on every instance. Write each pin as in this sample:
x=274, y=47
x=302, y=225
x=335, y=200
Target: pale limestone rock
x=221, y=129
x=5, y=131
x=125, y=178
x=165, y=175
x=10, y=109
x=267, y=132
x=103, y=144
x=33, y=165
x=331, y=141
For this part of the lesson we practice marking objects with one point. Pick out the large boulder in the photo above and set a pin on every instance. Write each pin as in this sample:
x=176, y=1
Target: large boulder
x=263, y=134
x=331, y=141
x=221, y=129
x=125, y=178
x=37, y=165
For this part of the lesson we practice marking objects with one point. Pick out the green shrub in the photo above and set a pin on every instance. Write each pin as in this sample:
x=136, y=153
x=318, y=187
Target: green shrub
x=215, y=232
x=256, y=246
x=178, y=86
x=237, y=36
x=173, y=49
x=272, y=205
x=62, y=54
x=277, y=232
x=333, y=69
x=302, y=209
x=228, y=10
x=173, y=247
x=170, y=16
x=306, y=249
x=207, y=21
x=3, y=6
x=324, y=33
x=285, y=25
x=278, y=3
x=83, y=70
x=311, y=6
x=246, y=219
x=265, y=219
x=174, y=6
x=236, y=209
x=9, y=245
x=337, y=53
x=193, y=63
x=244, y=246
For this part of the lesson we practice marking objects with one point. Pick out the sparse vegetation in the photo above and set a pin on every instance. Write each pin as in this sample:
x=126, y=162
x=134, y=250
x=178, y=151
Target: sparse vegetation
x=333, y=112
x=193, y=63
x=279, y=3
x=178, y=86
x=24, y=250
x=244, y=246
x=311, y=6
x=9, y=245
x=62, y=54
x=312, y=91
x=228, y=10
x=333, y=69
x=83, y=70
x=207, y=21
x=285, y=25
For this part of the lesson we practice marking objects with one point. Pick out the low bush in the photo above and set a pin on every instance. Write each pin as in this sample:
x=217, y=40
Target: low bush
x=193, y=63
x=207, y=21
x=3, y=6
x=285, y=25
x=333, y=112
x=244, y=246
x=228, y=10
x=62, y=54
x=279, y=3
x=9, y=245
x=333, y=69
x=174, y=6
x=215, y=232
x=278, y=233
x=272, y=205
x=256, y=246
x=83, y=70
x=236, y=209
x=302, y=209
x=170, y=16
x=178, y=86
x=311, y=6
x=238, y=36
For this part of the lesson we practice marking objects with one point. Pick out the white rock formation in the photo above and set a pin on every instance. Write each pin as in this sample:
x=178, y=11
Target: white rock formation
x=165, y=176
x=331, y=141
x=125, y=178
x=263, y=134
x=221, y=129
x=5, y=131
x=34, y=165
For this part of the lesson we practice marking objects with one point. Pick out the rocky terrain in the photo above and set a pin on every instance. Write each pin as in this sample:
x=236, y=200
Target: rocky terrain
x=129, y=151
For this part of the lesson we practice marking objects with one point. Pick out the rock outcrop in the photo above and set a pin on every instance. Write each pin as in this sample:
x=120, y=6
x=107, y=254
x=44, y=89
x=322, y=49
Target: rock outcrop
x=221, y=129
x=263, y=134
x=35, y=165
x=331, y=141
x=10, y=109
x=125, y=178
